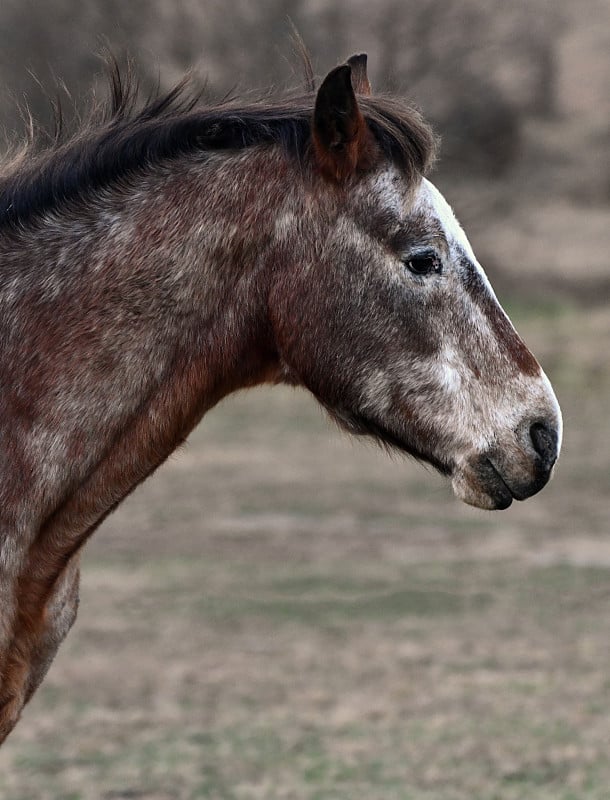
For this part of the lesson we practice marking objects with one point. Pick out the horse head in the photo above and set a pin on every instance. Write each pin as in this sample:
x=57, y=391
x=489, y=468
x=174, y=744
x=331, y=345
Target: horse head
x=390, y=321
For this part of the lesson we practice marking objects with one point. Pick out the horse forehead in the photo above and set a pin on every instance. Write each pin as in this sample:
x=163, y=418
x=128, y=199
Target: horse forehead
x=431, y=202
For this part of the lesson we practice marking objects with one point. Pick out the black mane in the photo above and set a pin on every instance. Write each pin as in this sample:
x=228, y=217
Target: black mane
x=124, y=137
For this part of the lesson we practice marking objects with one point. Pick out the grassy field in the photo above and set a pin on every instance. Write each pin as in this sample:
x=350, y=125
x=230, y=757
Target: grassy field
x=283, y=613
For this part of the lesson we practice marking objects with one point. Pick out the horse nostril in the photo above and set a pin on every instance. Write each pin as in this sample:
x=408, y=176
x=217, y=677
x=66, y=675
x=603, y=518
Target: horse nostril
x=545, y=443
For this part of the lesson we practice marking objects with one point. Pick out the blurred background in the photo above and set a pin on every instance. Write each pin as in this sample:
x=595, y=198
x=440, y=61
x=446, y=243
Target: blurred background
x=283, y=613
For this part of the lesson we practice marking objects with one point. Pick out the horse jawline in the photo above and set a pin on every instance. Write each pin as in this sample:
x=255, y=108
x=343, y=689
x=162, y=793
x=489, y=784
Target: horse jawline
x=361, y=425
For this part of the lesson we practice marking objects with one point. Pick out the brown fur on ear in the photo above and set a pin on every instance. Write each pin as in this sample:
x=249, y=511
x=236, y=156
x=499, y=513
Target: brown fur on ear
x=360, y=79
x=343, y=143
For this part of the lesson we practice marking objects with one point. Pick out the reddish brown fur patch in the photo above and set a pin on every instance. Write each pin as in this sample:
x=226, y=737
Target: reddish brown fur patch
x=189, y=390
x=513, y=343
x=510, y=341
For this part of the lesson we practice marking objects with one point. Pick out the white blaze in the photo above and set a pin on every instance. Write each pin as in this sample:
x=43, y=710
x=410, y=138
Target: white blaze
x=430, y=200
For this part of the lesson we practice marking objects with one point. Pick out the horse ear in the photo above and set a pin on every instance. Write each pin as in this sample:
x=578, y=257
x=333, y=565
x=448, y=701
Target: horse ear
x=342, y=141
x=360, y=80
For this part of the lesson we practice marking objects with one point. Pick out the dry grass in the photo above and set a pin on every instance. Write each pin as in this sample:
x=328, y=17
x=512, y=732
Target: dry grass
x=281, y=613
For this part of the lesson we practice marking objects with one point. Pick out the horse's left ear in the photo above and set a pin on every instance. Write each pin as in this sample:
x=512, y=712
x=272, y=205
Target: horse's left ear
x=343, y=143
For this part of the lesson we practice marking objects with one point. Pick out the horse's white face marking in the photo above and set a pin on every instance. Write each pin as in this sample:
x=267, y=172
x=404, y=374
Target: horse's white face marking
x=450, y=374
x=432, y=202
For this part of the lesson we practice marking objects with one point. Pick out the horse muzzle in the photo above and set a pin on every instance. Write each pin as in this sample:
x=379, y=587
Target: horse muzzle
x=493, y=479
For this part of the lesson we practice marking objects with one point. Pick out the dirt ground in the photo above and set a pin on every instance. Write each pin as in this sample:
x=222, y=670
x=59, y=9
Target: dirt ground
x=281, y=612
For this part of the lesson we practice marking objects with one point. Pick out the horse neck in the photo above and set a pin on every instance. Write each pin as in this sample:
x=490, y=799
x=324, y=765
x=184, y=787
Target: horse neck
x=129, y=317
x=121, y=322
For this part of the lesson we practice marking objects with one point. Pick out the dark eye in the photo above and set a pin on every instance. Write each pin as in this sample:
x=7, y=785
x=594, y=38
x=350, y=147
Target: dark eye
x=423, y=263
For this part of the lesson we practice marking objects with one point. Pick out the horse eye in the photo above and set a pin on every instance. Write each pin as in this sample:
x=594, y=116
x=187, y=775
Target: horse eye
x=423, y=264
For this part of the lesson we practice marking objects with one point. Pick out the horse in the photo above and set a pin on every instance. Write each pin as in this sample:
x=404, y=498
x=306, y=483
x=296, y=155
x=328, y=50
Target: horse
x=170, y=252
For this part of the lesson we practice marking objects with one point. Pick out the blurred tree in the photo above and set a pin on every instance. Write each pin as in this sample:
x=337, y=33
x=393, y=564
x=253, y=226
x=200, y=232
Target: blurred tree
x=476, y=68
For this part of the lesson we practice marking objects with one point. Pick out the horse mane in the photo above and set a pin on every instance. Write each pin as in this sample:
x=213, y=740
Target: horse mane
x=126, y=134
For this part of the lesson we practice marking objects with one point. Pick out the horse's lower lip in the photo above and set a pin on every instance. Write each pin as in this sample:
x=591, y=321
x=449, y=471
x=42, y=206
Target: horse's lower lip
x=495, y=485
x=479, y=483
